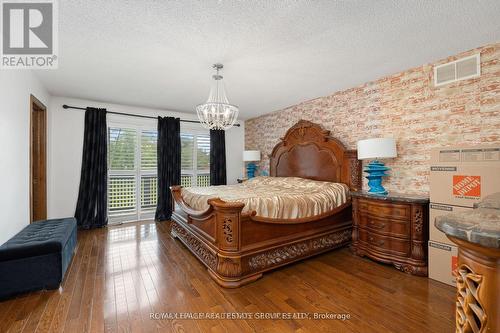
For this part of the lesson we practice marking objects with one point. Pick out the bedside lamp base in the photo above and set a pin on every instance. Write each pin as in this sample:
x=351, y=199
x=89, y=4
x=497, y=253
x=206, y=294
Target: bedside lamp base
x=376, y=170
x=251, y=167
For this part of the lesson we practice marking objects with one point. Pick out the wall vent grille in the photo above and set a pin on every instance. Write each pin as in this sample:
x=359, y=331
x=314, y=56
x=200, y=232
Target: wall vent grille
x=461, y=69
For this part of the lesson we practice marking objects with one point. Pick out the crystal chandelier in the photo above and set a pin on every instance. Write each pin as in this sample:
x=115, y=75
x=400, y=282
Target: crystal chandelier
x=217, y=113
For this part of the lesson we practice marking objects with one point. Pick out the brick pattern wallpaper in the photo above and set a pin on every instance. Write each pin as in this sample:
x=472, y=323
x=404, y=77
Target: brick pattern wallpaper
x=405, y=106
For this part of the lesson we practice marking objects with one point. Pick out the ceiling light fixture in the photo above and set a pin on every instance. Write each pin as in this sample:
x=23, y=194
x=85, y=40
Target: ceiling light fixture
x=217, y=113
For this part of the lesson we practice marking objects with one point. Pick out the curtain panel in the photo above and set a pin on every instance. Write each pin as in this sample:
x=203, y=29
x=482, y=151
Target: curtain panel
x=169, y=164
x=92, y=205
x=218, y=157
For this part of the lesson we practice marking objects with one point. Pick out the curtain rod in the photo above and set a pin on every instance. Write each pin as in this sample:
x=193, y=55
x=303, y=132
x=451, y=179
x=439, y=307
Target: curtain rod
x=133, y=115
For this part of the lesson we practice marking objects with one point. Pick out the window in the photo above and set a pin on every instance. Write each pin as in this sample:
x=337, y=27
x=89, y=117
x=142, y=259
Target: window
x=132, y=173
x=132, y=168
x=195, y=159
x=149, y=178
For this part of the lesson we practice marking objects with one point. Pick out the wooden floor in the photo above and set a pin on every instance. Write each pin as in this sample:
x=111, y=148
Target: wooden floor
x=120, y=275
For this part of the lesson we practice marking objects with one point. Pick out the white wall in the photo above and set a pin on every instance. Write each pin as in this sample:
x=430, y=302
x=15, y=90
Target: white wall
x=15, y=89
x=66, y=143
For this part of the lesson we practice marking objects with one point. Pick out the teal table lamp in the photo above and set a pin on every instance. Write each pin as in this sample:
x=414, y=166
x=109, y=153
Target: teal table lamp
x=375, y=150
x=251, y=156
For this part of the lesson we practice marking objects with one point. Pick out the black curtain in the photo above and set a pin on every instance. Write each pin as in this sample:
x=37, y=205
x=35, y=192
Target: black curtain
x=169, y=164
x=218, y=157
x=92, y=204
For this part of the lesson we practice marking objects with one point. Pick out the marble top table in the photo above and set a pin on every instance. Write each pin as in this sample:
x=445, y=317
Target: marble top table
x=477, y=235
x=480, y=225
x=409, y=198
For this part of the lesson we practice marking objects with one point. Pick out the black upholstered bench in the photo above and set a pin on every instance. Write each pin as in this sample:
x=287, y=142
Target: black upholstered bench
x=37, y=257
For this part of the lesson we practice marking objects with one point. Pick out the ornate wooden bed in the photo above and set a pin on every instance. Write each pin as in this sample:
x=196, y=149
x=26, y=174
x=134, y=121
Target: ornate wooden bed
x=237, y=248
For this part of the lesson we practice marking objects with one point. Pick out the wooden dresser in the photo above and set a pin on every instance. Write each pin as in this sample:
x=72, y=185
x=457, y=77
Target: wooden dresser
x=392, y=229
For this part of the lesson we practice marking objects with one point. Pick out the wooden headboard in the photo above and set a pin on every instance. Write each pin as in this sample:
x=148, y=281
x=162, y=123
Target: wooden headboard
x=308, y=151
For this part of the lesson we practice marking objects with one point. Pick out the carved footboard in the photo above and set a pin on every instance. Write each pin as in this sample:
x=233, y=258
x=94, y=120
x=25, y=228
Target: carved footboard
x=237, y=249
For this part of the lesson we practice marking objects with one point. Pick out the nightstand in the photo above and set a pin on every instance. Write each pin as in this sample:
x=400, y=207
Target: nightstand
x=393, y=229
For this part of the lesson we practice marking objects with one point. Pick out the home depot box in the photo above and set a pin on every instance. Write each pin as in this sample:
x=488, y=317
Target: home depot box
x=463, y=176
x=436, y=210
x=484, y=155
x=442, y=262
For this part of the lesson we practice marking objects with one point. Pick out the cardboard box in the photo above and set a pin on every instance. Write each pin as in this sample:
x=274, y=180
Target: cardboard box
x=484, y=155
x=442, y=262
x=464, y=176
x=463, y=185
x=459, y=178
x=435, y=210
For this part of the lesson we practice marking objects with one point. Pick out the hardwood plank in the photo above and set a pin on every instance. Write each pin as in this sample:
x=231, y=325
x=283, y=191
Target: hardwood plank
x=122, y=274
x=48, y=314
x=97, y=311
x=25, y=312
x=36, y=313
x=13, y=312
x=5, y=307
x=83, y=321
x=61, y=313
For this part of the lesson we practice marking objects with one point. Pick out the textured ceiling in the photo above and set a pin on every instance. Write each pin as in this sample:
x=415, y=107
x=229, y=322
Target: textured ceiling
x=276, y=53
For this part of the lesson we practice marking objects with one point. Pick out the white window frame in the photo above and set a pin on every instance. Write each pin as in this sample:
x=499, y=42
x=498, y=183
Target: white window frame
x=140, y=125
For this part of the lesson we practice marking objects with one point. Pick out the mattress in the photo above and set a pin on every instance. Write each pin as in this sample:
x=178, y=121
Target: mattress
x=274, y=197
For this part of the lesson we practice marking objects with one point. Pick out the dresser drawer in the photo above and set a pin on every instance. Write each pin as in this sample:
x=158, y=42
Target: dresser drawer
x=385, y=209
x=392, y=229
x=388, y=227
x=384, y=244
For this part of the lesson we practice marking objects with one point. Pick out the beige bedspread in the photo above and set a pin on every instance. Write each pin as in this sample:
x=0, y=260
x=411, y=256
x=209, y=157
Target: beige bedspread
x=274, y=197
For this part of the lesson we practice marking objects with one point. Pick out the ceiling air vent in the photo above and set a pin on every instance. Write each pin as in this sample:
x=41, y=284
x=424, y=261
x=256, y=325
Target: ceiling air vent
x=461, y=69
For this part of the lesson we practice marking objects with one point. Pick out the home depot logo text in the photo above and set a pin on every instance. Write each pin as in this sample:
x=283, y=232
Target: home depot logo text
x=469, y=186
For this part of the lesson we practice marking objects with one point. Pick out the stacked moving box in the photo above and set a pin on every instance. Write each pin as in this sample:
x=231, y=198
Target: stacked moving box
x=460, y=177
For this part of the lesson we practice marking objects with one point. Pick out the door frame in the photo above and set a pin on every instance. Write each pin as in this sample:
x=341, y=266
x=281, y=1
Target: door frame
x=36, y=102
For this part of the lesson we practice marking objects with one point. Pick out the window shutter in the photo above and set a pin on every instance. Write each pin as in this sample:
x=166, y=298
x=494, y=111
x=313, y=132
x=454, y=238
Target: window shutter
x=195, y=159
x=203, y=153
x=187, y=143
x=149, y=141
x=132, y=175
x=203, y=160
x=121, y=157
x=122, y=148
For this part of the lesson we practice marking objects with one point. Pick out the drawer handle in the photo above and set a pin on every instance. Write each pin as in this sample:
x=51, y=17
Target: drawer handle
x=377, y=225
x=376, y=242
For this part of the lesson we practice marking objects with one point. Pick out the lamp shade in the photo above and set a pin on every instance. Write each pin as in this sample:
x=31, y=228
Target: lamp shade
x=378, y=148
x=251, y=155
